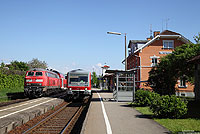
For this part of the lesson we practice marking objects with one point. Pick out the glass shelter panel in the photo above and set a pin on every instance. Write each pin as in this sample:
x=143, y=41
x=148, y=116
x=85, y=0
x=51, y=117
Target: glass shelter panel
x=125, y=86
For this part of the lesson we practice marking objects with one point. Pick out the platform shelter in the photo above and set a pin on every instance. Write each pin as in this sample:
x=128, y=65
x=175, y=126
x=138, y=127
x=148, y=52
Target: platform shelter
x=124, y=84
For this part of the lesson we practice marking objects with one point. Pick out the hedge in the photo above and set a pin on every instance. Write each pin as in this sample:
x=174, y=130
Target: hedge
x=145, y=97
x=11, y=81
x=162, y=106
x=169, y=107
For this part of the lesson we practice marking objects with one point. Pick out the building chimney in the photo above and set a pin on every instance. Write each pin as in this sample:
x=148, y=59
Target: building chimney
x=155, y=33
x=150, y=38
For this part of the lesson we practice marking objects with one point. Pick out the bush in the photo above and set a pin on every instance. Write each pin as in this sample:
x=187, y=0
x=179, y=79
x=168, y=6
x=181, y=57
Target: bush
x=11, y=81
x=145, y=97
x=169, y=107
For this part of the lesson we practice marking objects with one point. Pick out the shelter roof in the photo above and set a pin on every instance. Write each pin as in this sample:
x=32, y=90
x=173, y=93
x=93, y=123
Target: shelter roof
x=119, y=71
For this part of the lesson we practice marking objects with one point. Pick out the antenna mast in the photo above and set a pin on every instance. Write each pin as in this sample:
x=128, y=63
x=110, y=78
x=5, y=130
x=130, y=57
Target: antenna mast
x=167, y=20
x=151, y=31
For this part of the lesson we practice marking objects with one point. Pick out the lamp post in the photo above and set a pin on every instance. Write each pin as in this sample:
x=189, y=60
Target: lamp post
x=125, y=46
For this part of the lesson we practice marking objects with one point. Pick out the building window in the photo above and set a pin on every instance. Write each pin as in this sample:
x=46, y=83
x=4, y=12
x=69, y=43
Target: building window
x=182, y=83
x=168, y=44
x=154, y=61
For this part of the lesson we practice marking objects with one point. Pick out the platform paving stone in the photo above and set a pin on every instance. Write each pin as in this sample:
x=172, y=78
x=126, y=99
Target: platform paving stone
x=123, y=118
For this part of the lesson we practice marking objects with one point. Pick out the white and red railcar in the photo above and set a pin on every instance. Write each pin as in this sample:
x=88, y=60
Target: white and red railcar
x=79, y=83
x=39, y=82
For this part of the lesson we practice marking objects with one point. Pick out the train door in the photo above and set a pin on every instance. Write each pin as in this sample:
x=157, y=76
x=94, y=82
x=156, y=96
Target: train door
x=62, y=83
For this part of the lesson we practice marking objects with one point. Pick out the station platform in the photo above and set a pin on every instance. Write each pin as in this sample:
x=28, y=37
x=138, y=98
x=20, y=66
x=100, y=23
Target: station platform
x=108, y=116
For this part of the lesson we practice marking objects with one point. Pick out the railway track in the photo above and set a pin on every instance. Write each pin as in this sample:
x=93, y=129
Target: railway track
x=61, y=120
x=59, y=95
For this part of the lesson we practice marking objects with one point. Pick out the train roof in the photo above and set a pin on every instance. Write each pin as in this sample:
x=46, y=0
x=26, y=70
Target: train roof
x=79, y=71
x=37, y=69
x=41, y=69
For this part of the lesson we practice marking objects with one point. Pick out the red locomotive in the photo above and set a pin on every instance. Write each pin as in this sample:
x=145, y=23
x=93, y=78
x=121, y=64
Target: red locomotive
x=79, y=83
x=39, y=82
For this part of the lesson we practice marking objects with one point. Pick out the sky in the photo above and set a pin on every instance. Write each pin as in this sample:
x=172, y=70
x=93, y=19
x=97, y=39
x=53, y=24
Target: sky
x=71, y=34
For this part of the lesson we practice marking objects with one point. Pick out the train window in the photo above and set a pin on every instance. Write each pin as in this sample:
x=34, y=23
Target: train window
x=74, y=80
x=49, y=75
x=83, y=79
x=38, y=74
x=78, y=78
x=52, y=75
x=30, y=74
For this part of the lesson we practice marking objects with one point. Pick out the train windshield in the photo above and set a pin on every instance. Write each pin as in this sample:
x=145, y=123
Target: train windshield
x=30, y=74
x=34, y=73
x=38, y=74
x=78, y=79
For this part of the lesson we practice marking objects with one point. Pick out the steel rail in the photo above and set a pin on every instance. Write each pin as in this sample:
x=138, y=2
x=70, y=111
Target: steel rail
x=61, y=121
x=45, y=119
x=67, y=127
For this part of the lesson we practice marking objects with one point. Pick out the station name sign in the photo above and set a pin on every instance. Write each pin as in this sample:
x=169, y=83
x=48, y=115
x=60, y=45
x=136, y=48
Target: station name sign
x=164, y=52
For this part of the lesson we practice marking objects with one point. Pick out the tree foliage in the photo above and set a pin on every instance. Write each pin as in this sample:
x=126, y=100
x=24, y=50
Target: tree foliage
x=94, y=79
x=2, y=65
x=18, y=65
x=15, y=65
x=164, y=76
x=197, y=38
x=35, y=63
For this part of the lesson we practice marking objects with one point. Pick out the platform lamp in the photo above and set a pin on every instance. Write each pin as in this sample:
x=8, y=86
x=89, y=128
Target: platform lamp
x=125, y=45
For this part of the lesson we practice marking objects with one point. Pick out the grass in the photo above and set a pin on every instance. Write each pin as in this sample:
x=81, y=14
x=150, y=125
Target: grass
x=187, y=124
x=144, y=110
x=3, y=93
x=180, y=125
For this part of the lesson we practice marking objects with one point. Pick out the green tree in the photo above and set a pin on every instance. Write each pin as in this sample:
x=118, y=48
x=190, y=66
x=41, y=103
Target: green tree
x=94, y=79
x=35, y=63
x=197, y=38
x=2, y=65
x=16, y=65
x=164, y=76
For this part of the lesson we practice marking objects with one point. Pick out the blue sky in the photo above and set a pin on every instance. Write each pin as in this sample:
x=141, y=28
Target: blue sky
x=70, y=34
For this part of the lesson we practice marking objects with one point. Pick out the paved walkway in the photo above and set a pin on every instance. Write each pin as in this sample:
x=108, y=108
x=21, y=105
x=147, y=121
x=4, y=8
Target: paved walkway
x=118, y=118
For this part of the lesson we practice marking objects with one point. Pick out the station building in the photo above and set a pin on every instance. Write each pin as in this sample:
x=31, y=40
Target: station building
x=145, y=54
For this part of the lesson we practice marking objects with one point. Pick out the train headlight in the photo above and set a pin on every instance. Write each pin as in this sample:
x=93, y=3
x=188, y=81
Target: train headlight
x=28, y=84
x=28, y=80
x=85, y=88
x=70, y=88
x=39, y=80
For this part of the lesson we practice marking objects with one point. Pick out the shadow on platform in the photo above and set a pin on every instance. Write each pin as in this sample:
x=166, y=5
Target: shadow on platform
x=144, y=116
x=103, y=99
x=126, y=105
x=101, y=91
